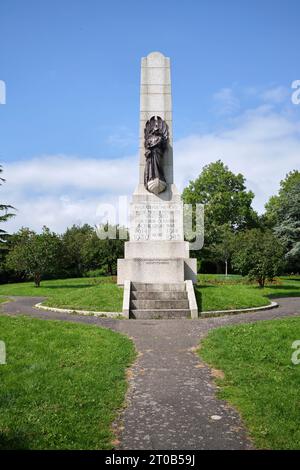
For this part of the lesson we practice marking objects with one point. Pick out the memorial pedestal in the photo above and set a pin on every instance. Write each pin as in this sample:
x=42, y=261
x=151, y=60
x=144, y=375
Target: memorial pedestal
x=157, y=272
x=156, y=251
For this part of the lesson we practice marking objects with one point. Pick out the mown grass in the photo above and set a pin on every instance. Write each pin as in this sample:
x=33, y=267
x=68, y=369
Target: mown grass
x=62, y=385
x=81, y=293
x=216, y=292
x=213, y=292
x=260, y=379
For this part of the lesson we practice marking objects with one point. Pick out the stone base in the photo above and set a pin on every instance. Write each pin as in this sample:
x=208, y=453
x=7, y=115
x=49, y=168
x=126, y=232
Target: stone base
x=156, y=249
x=157, y=270
x=156, y=252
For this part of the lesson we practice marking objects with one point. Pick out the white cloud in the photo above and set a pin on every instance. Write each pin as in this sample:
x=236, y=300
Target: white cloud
x=278, y=94
x=225, y=102
x=52, y=173
x=58, y=191
x=262, y=145
x=60, y=212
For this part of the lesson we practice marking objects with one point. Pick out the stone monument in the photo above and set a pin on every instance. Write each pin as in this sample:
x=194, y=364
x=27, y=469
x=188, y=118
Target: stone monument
x=156, y=253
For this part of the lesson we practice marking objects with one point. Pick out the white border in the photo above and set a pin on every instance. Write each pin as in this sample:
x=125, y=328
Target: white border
x=120, y=314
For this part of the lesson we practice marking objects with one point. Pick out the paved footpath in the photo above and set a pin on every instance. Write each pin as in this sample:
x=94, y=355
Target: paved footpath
x=171, y=402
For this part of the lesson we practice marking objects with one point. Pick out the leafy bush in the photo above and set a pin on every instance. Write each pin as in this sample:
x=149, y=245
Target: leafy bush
x=259, y=255
x=96, y=272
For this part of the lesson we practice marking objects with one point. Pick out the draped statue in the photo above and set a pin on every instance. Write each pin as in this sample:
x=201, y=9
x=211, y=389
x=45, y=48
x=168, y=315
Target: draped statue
x=156, y=139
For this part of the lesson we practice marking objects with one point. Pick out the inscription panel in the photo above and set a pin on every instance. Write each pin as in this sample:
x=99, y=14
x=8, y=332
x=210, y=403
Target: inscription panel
x=156, y=221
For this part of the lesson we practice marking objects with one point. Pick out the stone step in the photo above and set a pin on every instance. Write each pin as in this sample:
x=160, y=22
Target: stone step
x=158, y=295
x=148, y=314
x=160, y=304
x=140, y=286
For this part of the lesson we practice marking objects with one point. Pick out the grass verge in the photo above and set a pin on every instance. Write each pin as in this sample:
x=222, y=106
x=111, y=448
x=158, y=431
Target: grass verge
x=260, y=379
x=82, y=293
x=215, y=292
x=62, y=385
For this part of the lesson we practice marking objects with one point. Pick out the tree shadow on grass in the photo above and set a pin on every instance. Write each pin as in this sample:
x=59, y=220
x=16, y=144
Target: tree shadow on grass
x=198, y=297
x=78, y=286
x=70, y=286
x=283, y=295
x=280, y=291
x=286, y=288
x=10, y=441
x=204, y=286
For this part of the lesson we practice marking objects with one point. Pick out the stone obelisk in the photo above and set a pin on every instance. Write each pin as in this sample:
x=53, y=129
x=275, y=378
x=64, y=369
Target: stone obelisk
x=156, y=100
x=156, y=251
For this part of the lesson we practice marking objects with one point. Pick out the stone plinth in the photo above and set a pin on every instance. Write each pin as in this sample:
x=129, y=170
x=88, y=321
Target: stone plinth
x=155, y=270
x=157, y=249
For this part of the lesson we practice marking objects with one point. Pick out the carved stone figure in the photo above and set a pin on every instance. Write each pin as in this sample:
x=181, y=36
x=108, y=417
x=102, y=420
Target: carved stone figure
x=156, y=139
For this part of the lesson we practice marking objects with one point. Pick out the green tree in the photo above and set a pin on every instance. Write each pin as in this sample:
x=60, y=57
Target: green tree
x=273, y=213
x=83, y=250
x=226, y=203
x=288, y=226
x=35, y=254
x=223, y=249
x=5, y=213
x=258, y=255
x=110, y=249
x=224, y=196
x=283, y=216
x=73, y=259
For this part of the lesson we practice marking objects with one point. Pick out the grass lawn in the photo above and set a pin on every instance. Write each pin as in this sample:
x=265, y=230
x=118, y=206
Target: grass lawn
x=215, y=292
x=62, y=385
x=260, y=379
x=82, y=293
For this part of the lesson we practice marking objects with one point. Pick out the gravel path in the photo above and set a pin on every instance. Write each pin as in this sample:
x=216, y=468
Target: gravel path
x=171, y=402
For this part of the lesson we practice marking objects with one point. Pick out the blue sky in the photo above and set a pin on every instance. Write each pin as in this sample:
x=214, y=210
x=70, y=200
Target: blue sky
x=70, y=123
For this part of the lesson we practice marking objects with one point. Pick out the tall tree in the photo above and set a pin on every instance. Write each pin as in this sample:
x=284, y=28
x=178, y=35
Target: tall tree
x=74, y=240
x=226, y=201
x=283, y=216
x=273, y=213
x=259, y=255
x=35, y=254
x=288, y=226
x=84, y=250
x=5, y=212
x=223, y=250
x=224, y=195
x=110, y=249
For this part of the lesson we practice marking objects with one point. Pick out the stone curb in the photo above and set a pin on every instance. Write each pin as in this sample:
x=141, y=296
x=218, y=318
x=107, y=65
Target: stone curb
x=209, y=313
x=216, y=313
x=80, y=312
